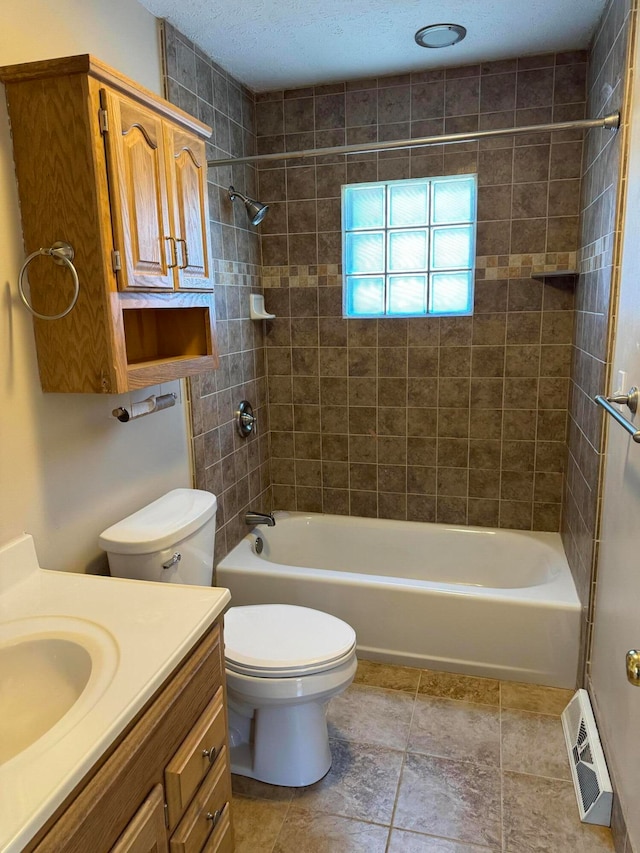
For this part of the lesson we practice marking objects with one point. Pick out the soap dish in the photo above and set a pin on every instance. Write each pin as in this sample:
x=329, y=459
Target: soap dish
x=257, y=310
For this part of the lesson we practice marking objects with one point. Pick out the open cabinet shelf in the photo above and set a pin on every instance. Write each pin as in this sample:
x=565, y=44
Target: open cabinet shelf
x=170, y=341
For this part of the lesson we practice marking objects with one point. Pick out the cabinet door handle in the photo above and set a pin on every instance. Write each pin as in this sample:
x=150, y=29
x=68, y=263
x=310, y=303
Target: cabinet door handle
x=185, y=254
x=174, y=252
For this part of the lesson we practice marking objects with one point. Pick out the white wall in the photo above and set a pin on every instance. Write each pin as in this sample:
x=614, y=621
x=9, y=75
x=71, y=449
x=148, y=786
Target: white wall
x=67, y=468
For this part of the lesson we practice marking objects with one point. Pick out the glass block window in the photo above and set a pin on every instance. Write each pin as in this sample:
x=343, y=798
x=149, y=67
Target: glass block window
x=408, y=247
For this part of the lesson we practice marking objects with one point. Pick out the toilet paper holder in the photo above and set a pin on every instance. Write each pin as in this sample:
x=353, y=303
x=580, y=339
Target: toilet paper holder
x=141, y=408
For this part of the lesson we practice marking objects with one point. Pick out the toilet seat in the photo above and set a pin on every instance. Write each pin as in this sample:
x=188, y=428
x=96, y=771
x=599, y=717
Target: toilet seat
x=285, y=641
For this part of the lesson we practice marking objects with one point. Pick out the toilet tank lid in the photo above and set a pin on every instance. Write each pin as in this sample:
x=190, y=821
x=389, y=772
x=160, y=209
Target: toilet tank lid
x=160, y=524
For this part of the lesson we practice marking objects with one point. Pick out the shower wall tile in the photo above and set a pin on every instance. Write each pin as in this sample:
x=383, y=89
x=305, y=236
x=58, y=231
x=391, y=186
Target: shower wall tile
x=234, y=469
x=416, y=408
x=459, y=420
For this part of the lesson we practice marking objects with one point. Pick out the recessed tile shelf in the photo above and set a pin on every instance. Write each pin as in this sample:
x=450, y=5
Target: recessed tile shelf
x=541, y=276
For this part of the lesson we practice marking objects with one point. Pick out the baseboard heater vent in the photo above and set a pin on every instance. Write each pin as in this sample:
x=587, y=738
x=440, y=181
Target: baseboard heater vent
x=588, y=767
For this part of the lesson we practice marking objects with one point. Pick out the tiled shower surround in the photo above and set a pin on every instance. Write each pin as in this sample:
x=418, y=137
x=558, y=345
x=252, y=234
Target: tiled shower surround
x=236, y=470
x=457, y=420
x=450, y=419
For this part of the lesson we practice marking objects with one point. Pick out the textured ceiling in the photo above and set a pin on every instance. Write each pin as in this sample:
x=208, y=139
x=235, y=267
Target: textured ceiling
x=271, y=44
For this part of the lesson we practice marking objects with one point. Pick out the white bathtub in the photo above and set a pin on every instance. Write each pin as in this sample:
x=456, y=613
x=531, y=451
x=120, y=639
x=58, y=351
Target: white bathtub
x=474, y=600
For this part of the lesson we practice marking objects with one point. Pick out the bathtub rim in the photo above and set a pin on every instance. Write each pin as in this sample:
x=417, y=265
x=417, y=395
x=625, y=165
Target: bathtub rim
x=558, y=592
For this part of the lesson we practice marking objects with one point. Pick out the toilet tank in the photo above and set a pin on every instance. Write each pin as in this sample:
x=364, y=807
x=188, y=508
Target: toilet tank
x=171, y=540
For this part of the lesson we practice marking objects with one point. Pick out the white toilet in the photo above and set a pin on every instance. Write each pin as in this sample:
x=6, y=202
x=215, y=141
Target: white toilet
x=283, y=663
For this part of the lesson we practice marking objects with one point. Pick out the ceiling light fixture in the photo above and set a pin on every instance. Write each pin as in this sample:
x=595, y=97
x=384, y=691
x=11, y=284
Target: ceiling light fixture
x=440, y=35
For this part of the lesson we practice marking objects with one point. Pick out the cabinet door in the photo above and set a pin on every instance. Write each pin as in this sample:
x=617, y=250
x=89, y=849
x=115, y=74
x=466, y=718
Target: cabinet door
x=146, y=833
x=190, y=208
x=138, y=194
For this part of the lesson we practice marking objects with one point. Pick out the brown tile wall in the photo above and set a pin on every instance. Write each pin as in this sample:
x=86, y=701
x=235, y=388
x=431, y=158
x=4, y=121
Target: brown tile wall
x=595, y=304
x=458, y=420
x=235, y=469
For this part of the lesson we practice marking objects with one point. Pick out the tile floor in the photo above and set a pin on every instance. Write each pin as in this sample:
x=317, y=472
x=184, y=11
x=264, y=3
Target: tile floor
x=429, y=762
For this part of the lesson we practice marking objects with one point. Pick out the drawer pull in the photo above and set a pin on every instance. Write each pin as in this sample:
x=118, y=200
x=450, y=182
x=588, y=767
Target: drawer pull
x=210, y=754
x=215, y=817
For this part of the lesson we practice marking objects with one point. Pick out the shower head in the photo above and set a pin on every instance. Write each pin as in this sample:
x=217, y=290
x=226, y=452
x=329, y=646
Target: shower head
x=256, y=211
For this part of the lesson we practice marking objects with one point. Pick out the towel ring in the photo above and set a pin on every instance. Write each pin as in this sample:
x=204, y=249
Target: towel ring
x=62, y=253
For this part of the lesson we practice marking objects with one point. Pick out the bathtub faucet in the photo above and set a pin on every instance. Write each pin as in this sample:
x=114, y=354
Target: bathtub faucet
x=253, y=518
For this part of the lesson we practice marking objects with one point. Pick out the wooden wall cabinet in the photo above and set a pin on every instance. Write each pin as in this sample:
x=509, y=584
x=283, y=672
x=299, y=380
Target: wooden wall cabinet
x=120, y=174
x=165, y=787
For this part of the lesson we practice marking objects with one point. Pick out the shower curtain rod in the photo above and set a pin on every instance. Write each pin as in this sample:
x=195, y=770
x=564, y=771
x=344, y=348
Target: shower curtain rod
x=611, y=122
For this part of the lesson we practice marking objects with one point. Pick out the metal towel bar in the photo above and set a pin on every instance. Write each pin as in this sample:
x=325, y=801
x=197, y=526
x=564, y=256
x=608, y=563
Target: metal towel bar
x=630, y=400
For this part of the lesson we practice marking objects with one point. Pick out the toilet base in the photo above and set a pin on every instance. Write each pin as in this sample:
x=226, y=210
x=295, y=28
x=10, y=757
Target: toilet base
x=290, y=744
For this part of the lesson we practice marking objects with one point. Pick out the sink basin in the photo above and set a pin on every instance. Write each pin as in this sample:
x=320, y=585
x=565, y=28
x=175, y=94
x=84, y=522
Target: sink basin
x=49, y=668
x=40, y=680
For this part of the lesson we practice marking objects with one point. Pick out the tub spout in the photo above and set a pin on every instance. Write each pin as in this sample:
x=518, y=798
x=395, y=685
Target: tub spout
x=254, y=518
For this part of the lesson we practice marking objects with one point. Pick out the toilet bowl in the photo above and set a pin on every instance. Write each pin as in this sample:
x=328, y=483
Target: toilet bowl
x=283, y=663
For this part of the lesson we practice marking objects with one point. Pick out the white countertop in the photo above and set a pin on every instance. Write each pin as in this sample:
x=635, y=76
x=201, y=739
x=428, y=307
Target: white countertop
x=141, y=630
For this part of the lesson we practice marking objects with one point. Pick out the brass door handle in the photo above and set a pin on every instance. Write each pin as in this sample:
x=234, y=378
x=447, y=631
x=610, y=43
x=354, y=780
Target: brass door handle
x=185, y=254
x=174, y=252
x=633, y=667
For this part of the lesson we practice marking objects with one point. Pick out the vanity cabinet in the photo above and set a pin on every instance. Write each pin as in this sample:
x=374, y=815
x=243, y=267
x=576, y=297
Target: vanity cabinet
x=119, y=174
x=165, y=787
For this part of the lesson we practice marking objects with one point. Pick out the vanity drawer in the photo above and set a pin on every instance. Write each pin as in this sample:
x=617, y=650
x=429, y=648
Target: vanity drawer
x=198, y=827
x=197, y=753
